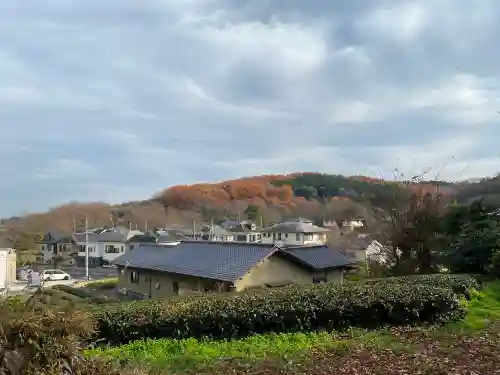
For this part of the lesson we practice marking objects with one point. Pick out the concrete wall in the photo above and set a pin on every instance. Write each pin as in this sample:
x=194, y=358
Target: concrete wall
x=8, y=266
x=162, y=285
x=274, y=271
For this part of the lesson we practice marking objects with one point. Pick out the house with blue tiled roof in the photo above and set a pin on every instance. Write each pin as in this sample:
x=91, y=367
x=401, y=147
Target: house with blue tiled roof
x=193, y=267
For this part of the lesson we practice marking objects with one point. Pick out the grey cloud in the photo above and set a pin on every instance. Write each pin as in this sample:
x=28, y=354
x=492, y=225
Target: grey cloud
x=144, y=94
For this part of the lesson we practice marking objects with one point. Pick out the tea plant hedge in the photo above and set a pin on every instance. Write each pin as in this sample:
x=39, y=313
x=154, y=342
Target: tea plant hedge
x=307, y=308
x=83, y=294
x=460, y=284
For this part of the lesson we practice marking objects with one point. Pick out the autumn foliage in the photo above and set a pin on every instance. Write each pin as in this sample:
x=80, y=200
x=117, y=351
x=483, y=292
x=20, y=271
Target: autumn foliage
x=300, y=194
x=252, y=190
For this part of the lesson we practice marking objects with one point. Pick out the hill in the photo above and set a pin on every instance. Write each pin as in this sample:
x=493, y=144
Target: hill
x=314, y=195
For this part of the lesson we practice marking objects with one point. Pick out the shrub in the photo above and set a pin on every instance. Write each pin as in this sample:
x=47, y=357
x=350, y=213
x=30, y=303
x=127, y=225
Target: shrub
x=40, y=341
x=83, y=293
x=107, y=283
x=460, y=284
x=328, y=306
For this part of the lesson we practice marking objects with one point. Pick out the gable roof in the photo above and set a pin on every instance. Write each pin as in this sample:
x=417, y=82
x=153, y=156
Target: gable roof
x=225, y=261
x=55, y=237
x=319, y=257
x=116, y=234
x=297, y=219
x=295, y=227
x=215, y=230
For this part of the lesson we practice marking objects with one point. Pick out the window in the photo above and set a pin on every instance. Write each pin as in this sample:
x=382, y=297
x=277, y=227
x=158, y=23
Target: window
x=279, y=236
x=122, y=249
x=175, y=287
x=308, y=237
x=134, y=277
x=157, y=285
x=319, y=278
x=111, y=249
x=297, y=237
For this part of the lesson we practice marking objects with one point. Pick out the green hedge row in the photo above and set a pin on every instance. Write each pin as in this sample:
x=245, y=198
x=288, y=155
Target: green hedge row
x=82, y=293
x=327, y=306
x=460, y=284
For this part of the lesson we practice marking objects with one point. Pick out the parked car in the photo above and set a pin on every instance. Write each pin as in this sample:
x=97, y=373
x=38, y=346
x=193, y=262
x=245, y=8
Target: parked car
x=53, y=275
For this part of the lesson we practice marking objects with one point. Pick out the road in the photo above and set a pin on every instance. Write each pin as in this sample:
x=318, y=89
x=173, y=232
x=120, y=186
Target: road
x=22, y=286
x=95, y=273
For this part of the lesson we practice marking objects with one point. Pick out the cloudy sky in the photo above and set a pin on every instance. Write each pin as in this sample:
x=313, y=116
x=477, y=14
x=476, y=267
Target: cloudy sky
x=114, y=100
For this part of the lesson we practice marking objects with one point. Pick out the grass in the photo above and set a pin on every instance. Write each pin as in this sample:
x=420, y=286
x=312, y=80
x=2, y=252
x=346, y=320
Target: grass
x=482, y=309
x=180, y=355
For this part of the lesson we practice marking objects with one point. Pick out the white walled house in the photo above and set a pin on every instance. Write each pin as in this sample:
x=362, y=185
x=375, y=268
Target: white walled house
x=294, y=234
x=243, y=230
x=107, y=244
x=364, y=250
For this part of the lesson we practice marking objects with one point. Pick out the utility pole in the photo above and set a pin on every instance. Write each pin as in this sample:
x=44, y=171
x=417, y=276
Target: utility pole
x=86, y=248
x=146, y=227
x=194, y=229
x=212, y=229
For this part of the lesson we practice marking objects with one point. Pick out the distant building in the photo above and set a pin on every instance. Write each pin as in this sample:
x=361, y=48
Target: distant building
x=8, y=260
x=216, y=233
x=55, y=244
x=294, y=233
x=242, y=230
x=106, y=244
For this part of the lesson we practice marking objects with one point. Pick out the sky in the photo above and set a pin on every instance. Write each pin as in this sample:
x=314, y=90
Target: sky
x=115, y=100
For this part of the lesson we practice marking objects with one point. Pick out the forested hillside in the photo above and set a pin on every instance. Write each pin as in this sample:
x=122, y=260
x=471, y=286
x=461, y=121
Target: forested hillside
x=267, y=198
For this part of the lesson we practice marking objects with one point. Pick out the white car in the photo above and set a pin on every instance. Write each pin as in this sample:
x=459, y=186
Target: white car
x=53, y=275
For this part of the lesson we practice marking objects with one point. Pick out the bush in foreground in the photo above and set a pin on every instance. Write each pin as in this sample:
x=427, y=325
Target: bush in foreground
x=308, y=308
x=460, y=284
x=40, y=341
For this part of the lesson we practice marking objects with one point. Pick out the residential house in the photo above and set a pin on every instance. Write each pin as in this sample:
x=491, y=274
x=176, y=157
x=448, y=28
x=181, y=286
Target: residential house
x=8, y=261
x=231, y=224
x=363, y=249
x=55, y=244
x=294, y=233
x=216, y=232
x=297, y=219
x=106, y=244
x=190, y=267
x=243, y=230
x=175, y=234
x=352, y=224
